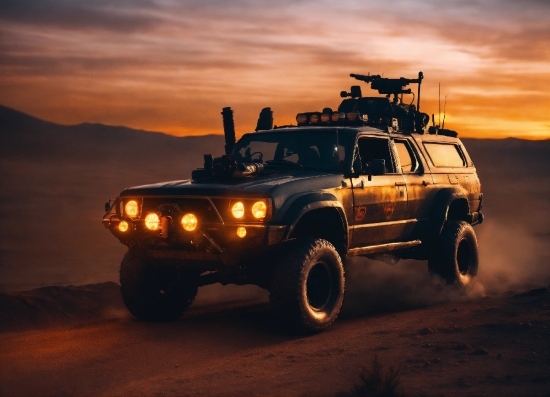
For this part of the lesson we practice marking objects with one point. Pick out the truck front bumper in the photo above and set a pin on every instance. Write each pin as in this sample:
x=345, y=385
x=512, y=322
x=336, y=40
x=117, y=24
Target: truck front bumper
x=228, y=244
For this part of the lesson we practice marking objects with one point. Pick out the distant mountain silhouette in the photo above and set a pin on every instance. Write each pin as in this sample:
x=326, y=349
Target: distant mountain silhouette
x=24, y=135
x=54, y=180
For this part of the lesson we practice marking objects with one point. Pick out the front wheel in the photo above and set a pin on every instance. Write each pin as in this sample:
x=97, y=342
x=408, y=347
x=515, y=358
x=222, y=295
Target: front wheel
x=307, y=286
x=455, y=255
x=154, y=291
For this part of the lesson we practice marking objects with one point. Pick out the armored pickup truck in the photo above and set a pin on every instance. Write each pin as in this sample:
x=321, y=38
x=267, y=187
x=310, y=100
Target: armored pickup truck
x=285, y=207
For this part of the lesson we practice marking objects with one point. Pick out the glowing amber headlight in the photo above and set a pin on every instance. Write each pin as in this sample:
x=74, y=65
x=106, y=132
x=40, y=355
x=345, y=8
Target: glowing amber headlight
x=131, y=208
x=241, y=232
x=152, y=221
x=238, y=210
x=259, y=210
x=123, y=226
x=189, y=222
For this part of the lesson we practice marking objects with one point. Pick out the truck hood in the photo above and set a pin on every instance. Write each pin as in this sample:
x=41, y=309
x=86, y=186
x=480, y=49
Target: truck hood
x=279, y=185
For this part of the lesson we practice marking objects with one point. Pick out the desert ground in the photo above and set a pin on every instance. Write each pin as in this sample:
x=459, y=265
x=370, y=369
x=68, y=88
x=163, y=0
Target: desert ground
x=65, y=331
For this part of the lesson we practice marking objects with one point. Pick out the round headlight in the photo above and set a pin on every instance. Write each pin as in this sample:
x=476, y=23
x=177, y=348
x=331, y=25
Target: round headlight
x=189, y=222
x=259, y=210
x=238, y=210
x=152, y=221
x=123, y=226
x=131, y=208
x=241, y=232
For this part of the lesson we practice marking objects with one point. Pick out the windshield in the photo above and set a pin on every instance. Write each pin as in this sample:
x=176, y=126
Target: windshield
x=309, y=149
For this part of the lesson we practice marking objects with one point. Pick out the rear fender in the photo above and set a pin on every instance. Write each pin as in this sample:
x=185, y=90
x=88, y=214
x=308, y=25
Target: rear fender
x=440, y=209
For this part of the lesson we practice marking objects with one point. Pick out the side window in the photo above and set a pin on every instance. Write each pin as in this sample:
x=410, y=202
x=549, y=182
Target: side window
x=407, y=158
x=375, y=148
x=445, y=154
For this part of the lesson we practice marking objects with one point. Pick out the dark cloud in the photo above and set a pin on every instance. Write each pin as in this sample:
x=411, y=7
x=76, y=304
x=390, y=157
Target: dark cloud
x=120, y=16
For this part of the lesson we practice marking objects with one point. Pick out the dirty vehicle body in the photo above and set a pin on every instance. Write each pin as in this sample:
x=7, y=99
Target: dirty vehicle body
x=285, y=207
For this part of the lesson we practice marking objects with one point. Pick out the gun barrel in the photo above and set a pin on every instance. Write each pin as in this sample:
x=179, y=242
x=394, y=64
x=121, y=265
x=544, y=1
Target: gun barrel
x=366, y=79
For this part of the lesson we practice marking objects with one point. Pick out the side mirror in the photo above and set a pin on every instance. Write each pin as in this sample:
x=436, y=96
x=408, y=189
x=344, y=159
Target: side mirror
x=377, y=167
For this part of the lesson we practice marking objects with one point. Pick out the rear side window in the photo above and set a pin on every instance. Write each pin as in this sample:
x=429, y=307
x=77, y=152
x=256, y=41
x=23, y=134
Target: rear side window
x=445, y=155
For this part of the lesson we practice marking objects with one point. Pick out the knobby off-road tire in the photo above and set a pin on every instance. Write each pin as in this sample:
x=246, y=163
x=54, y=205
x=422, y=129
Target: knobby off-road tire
x=307, y=286
x=455, y=256
x=153, y=291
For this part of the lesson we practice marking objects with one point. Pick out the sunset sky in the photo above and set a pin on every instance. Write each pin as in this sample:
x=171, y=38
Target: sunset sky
x=171, y=66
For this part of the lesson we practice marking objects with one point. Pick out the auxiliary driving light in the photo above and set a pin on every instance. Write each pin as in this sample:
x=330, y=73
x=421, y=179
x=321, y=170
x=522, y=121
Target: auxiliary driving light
x=131, y=208
x=123, y=226
x=301, y=118
x=259, y=209
x=152, y=221
x=238, y=210
x=189, y=222
x=241, y=231
x=352, y=116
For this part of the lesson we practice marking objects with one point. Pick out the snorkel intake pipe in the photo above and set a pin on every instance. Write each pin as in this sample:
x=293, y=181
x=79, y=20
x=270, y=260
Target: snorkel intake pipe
x=228, y=130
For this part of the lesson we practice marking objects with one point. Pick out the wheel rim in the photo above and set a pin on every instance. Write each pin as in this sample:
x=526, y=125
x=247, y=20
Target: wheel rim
x=464, y=257
x=319, y=286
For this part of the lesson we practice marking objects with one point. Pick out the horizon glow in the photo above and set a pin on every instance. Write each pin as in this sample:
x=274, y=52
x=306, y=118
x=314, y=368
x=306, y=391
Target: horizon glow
x=172, y=66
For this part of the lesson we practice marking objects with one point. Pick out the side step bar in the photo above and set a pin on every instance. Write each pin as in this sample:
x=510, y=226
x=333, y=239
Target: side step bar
x=373, y=249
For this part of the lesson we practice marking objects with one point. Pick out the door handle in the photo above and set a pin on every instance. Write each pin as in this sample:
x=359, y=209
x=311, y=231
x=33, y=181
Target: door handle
x=399, y=183
x=424, y=183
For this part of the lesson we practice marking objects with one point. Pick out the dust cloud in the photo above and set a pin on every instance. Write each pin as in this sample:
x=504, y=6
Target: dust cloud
x=376, y=287
x=512, y=258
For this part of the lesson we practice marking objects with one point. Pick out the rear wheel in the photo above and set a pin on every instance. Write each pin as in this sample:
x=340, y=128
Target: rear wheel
x=307, y=286
x=455, y=255
x=155, y=291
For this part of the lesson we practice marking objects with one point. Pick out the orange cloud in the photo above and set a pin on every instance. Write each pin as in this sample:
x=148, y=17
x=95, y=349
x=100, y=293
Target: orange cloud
x=171, y=67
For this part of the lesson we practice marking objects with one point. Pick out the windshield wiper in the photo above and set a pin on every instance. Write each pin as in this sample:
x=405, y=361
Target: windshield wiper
x=285, y=163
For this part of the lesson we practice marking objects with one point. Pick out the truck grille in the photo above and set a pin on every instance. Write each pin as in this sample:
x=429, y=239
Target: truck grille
x=202, y=208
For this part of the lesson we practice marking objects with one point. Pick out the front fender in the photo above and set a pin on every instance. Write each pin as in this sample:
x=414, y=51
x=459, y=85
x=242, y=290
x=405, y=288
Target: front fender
x=297, y=206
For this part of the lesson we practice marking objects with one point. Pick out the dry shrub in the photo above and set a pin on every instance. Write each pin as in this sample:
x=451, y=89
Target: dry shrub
x=378, y=381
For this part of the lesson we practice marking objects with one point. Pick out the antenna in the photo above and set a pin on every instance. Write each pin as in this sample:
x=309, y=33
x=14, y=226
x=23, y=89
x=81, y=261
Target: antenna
x=439, y=113
x=420, y=77
x=444, y=113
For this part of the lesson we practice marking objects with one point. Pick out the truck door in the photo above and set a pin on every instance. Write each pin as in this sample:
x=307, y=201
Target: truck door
x=379, y=201
x=419, y=184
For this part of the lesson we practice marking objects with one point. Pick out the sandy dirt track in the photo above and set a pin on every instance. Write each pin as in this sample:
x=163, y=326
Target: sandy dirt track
x=481, y=346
